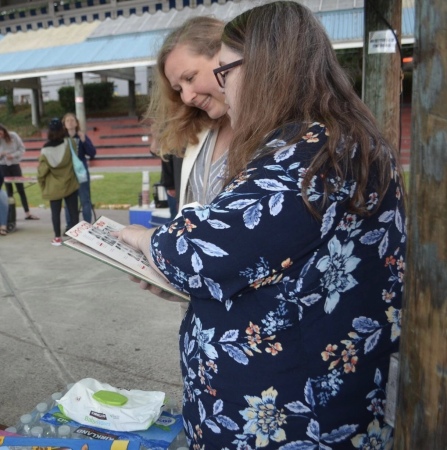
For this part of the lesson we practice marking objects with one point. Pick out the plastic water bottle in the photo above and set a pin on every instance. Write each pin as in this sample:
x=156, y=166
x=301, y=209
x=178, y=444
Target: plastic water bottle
x=49, y=430
x=54, y=397
x=41, y=409
x=179, y=442
x=37, y=431
x=64, y=432
x=11, y=430
x=171, y=406
x=25, y=424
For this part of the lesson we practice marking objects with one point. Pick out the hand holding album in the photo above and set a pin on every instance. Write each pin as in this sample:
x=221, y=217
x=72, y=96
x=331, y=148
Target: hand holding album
x=144, y=285
x=99, y=241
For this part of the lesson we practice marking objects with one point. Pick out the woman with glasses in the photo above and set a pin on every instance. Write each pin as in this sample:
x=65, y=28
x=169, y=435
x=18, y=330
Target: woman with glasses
x=295, y=270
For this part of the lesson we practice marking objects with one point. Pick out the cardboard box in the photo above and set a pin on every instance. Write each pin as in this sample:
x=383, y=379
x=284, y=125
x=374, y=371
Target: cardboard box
x=158, y=436
x=66, y=444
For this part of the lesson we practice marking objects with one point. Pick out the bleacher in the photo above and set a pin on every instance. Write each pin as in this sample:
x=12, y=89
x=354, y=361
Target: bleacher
x=124, y=142
x=119, y=141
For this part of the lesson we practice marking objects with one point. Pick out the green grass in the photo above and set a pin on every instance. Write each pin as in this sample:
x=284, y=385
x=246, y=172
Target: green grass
x=407, y=180
x=118, y=189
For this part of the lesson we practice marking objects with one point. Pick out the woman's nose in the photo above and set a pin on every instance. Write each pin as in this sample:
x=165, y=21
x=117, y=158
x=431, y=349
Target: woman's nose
x=188, y=96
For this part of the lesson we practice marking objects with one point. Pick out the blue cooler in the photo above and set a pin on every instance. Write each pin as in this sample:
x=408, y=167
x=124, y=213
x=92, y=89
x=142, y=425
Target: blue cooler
x=160, y=216
x=140, y=216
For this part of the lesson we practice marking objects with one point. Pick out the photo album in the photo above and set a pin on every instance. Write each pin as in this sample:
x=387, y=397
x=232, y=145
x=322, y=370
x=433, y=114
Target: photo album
x=96, y=241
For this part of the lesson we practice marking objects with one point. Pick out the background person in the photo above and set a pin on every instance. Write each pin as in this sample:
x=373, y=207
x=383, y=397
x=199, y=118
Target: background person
x=295, y=270
x=11, y=153
x=171, y=168
x=85, y=148
x=57, y=179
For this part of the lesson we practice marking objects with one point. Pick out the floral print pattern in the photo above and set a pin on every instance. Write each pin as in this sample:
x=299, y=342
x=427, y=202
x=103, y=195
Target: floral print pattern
x=292, y=321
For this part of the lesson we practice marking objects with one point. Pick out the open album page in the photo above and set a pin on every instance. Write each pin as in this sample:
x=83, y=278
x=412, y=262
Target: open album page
x=97, y=237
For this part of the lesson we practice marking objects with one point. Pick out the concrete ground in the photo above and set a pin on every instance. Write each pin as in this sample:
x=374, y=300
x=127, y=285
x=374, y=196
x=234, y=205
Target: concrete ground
x=65, y=316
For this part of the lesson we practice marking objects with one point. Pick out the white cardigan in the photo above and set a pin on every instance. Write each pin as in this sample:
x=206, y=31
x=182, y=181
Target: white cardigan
x=191, y=154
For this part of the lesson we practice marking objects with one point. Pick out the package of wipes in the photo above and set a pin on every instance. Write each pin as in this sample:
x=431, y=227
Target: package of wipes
x=91, y=402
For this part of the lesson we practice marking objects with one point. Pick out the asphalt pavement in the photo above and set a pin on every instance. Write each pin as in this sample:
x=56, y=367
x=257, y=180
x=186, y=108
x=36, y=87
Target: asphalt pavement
x=65, y=316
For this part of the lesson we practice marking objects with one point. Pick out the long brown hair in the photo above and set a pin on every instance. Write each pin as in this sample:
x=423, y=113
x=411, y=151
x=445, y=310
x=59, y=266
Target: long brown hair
x=290, y=70
x=173, y=123
x=7, y=136
x=75, y=118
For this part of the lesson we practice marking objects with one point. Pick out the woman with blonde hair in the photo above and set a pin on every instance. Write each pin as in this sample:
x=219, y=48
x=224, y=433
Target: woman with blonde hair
x=188, y=111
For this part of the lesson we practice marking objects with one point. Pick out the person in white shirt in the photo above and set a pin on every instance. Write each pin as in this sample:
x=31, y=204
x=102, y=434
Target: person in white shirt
x=11, y=153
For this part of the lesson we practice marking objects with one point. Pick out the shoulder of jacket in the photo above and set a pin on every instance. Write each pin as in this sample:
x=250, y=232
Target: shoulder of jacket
x=51, y=148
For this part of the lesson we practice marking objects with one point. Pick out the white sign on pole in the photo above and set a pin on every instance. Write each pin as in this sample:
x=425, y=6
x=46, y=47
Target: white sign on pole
x=381, y=42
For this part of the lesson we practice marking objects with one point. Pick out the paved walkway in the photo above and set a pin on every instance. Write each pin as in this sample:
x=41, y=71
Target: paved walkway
x=65, y=317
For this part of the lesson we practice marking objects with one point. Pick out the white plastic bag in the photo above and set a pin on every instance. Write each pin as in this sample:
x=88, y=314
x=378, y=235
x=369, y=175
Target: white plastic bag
x=91, y=402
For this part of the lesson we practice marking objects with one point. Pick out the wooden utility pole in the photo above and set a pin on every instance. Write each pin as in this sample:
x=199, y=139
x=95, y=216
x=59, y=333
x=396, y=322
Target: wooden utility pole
x=381, y=85
x=421, y=421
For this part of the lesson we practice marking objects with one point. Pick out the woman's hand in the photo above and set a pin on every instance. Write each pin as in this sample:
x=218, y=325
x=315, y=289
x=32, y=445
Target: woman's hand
x=139, y=237
x=155, y=290
x=136, y=236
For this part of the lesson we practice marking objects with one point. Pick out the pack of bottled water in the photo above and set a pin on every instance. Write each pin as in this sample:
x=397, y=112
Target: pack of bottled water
x=47, y=421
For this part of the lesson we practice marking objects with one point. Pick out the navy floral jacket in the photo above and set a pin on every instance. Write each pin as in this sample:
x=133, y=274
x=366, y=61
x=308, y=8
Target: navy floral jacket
x=287, y=340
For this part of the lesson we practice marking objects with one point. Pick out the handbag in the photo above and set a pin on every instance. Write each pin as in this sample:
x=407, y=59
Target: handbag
x=78, y=166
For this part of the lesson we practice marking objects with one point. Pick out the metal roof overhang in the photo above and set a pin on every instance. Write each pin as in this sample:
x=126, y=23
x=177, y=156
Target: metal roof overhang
x=99, y=54
x=106, y=52
x=74, y=69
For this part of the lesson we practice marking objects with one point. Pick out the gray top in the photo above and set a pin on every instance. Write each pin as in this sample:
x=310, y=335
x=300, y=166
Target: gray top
x=206, y=179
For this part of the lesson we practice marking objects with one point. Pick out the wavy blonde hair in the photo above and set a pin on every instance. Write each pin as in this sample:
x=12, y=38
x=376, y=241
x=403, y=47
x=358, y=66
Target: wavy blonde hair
x=291, y=71
x=174, y=124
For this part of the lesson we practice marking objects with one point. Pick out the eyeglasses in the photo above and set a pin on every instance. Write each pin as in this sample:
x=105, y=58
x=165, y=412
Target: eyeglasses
x=221, y=72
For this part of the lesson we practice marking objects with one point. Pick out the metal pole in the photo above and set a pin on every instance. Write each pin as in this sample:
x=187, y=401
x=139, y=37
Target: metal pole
x=79, y=101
